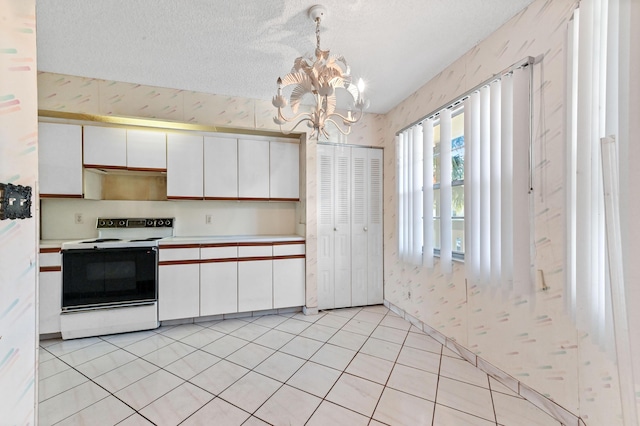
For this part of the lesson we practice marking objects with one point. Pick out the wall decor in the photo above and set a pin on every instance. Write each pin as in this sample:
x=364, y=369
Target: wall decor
x=15, y=201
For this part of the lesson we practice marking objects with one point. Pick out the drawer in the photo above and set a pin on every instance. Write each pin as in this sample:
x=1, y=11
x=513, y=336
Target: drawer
x=186, y=253
x=218, y=252
x=50, y=259
x=288, y=249
x=255, y=251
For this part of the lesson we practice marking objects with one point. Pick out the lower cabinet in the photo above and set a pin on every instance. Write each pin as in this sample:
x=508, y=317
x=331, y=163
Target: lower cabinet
x=50, y=296
x=212, y=279
x=49, y=291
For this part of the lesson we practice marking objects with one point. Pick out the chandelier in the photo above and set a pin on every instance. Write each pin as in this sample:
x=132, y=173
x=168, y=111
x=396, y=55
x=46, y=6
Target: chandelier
x=319, y=75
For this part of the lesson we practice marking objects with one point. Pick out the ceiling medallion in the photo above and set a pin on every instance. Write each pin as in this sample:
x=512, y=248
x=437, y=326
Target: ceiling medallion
x=319, y=75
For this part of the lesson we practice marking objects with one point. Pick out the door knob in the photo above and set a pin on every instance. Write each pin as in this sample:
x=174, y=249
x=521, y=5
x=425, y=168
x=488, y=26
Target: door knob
x=335, y=229
x=365, y=229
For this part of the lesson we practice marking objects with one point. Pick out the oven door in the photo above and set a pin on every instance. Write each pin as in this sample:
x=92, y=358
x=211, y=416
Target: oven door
x=93, y=278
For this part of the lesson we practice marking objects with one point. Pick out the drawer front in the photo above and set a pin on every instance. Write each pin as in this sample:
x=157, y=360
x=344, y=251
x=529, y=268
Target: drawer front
x=255, y=251
x=50, y=259
x=218, y=252
x=191, y=253
x=288, y=249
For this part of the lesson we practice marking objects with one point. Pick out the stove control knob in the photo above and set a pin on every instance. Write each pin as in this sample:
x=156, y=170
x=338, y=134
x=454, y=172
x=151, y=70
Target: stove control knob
x=122, y=223
x=160, y=222
x=167, y=222
x=149, y=222
x=102, y=223
x=110, y=223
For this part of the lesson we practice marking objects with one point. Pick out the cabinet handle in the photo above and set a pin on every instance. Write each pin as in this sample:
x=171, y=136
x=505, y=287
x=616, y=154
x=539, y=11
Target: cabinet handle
x=365, y=229
x=335, y=229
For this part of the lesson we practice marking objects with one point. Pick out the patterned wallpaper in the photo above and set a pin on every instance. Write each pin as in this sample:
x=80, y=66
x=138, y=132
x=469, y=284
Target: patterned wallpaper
x=18, y=166
x=529, y=337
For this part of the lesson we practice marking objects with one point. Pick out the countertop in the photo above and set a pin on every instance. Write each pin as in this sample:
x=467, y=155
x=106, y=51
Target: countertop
x=205, y=239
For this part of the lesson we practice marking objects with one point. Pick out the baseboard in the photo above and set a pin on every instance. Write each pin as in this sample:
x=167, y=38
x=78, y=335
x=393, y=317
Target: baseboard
x=536, y=398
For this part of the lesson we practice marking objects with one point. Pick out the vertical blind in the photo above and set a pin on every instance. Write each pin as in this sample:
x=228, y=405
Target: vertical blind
x=497, y=170
x=496, y=193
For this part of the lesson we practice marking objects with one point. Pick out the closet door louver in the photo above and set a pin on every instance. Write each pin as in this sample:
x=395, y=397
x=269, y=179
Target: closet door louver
x=326, y=238
x=359, y=222
x=374, y=233
x=342, y=227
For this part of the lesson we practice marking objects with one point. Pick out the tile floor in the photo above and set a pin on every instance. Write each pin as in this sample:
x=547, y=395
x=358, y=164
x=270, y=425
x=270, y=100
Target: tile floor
x=358, y=366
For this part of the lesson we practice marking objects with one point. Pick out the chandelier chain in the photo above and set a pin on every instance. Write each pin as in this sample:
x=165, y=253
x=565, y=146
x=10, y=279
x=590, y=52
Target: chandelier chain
x=318, y=32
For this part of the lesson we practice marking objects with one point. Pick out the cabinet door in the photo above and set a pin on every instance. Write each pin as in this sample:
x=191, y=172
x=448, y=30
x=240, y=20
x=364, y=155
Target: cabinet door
x=288, y=283
x=220, y=168
x=253, y=169
x=60, y=159
x=326, y=234
x=284, y=171
x=218, y=280
x=50, y=301
x=105, y=146
x=184, y=166
x=375, y=287
x=218, y=288
x=146, y=150
x=178, y=291
x=255, y=291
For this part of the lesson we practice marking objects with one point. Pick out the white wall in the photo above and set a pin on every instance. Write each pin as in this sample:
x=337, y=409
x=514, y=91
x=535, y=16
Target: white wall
x=18, y=257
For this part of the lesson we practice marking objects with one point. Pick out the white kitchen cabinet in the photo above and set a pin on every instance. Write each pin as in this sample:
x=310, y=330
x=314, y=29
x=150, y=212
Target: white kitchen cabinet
x=284, y=171
x=349, y=226
x=178, y=283
x=105, y=146
x=185, y=170
x=253, y=169
x=220, y=168
x=146, y=150
x=288, y=275
x=255, y=278
x=49, y=292
x=218, y=280
x=60, y=160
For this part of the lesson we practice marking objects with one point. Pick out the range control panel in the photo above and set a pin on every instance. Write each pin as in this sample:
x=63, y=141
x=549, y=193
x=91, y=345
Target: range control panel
x=135, y=222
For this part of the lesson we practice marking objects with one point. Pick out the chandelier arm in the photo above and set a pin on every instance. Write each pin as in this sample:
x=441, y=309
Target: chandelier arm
x=290, y=119
x=328, y=120
x=350, y=120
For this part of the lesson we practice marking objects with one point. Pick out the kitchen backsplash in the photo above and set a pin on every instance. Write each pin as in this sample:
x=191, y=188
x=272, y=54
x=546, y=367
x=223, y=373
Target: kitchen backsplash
x=63, y=219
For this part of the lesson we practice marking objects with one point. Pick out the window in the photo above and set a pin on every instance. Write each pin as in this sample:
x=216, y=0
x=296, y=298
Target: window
x=475, y=201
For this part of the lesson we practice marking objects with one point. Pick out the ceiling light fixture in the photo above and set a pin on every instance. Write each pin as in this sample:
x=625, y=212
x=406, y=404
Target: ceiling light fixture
x=319, y=75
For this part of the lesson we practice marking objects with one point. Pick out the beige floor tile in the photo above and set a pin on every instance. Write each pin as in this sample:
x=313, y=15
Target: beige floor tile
x=146, y=390
x=288, y=406
x=399, y=408
x=280, y=366
x=464, y=397
x=329, y=413
x=250, y=356
x=251, y=391
x=109, y=410
x=445, y=416
x=314, y=378
x=381, y=349
x=220, y=410
x=414, y=381
x=175, y=406
x=370, y=368
x=356, y=394
x=219, y=376
x=427, y=361
x=333, y=356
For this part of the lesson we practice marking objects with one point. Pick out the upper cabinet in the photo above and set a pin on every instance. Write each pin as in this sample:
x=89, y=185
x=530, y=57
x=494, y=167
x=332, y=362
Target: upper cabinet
x=253, y=169
x=185, y=169
x=284, y=171
x=60, y=160
x=146, y=150
x=105, y=147
x=220, y=168
x=119, y=148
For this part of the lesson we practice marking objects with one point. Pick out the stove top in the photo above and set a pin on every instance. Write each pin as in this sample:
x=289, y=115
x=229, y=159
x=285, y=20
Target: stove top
x=125, y=232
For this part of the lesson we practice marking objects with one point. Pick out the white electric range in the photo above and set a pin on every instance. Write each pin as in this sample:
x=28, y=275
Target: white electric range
x=110, y=283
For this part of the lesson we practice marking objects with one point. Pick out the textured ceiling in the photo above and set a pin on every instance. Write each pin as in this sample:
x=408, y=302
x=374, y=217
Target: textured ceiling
x=240, y=48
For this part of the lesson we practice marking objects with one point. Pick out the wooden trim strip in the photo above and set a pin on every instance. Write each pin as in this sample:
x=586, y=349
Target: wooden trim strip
x=290, y=256
x=252, y=199
x=61, y=196
x=100, y=166
x=291, y=242
x=257, y=244
x=50, y=268
x=175, y=197
x=285, y=199
x=179, y=262
x=50, y=250
x=249, y=259
x=224, y=259
x=178, y=246
x=210, y=245
x=146, y=169
x=222, y=198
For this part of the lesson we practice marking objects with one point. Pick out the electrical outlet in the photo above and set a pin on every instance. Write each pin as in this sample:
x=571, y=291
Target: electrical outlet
x=207, y=219
x=78, y=219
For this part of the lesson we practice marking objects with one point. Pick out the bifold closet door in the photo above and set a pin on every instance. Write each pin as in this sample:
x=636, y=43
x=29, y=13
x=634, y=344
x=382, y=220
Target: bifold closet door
x=342, y=227
x=326, y=237
x=366, y=226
